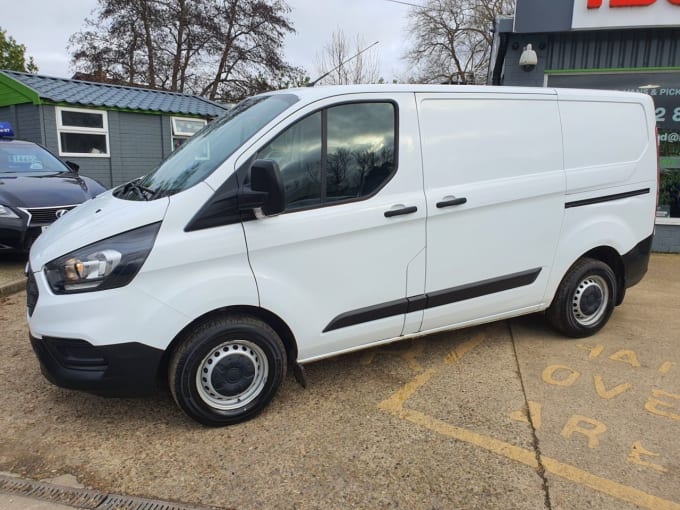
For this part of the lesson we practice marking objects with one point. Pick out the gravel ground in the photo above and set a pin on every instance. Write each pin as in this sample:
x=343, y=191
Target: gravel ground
x=11, y=268
x=433, y=423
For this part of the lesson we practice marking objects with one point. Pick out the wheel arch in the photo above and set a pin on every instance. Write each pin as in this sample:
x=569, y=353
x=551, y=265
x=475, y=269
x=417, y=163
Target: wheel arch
x=614, y=260
x=609, y=256
x=270, y=318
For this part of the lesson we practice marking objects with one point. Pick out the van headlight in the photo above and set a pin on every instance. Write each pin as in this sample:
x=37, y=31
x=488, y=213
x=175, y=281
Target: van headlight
x=106, y=264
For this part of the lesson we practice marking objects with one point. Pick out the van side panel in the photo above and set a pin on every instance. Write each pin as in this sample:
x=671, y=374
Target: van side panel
x=604, y=142
x=503, y=154
x=195, y=272
x=611, y=166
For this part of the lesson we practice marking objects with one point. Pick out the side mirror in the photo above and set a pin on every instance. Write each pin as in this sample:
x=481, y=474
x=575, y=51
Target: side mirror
x=73, y=166
x=266, y=190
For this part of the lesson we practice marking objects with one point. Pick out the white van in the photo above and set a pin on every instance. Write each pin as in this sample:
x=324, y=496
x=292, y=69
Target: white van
x=309, y=223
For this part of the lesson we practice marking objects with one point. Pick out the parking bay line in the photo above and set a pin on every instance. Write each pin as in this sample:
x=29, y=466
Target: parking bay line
x=395, y=406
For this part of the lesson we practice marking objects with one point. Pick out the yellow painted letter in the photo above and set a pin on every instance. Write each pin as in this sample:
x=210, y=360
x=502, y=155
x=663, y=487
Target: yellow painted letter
x=652, y=405
x=534, y=412
x=611, y=393
x=576, y=424
x=627, y=357
x=635, y=457
x=549, y=375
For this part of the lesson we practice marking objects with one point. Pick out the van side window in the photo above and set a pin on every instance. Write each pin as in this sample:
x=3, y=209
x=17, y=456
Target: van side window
x=341, y=153
x=360, y=149
x=298, y=152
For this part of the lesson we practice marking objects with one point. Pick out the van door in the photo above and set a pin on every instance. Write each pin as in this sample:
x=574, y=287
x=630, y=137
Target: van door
x=339, y=263
x=494, y=185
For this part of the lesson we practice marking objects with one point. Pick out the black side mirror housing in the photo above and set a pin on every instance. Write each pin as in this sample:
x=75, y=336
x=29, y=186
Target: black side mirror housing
x=75, y=167
x=266, y=189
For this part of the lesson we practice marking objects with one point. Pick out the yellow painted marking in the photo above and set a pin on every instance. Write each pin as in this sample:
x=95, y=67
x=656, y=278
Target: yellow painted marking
x=593, y=352
x=549, y=375
x=535, y=411
x=606, y=394
x=666, y=367
x=575, y=424
x=653, y=403
x=635, y=457
x=408, y=355
x=411, y=355
x=626, y=356
x=461, y=350
x=528, y=458
x=508, y=450
x=395, y=406
x=395, y=403
x=609, y=487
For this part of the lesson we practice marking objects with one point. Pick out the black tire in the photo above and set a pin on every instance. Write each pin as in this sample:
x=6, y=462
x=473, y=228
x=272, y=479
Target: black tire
x=241, y=362
x=584, y=300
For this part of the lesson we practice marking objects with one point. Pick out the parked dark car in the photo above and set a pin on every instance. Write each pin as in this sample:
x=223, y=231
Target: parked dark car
x=36, y=188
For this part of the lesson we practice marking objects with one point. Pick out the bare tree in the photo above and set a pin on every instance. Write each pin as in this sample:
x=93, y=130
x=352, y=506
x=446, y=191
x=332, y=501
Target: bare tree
x=364, y=68
x=451, y=39
x=217, y=48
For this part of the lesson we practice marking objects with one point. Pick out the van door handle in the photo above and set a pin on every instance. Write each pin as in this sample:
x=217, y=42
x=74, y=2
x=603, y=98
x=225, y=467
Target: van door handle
x=451, y=201
x=399, y=212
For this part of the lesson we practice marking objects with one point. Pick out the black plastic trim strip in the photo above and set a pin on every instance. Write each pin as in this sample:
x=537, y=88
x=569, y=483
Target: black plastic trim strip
x=369, y=313
x=478, y=289
x=606, y=198
x=433, y=299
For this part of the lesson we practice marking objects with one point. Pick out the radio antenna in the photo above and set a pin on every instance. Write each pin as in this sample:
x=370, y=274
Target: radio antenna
x=311, y=84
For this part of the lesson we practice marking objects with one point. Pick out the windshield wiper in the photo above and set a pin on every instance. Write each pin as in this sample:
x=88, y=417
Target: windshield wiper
x=141, y=191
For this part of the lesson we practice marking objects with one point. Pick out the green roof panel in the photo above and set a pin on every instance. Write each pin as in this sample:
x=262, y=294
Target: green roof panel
x=14, y=92
x=47, y=89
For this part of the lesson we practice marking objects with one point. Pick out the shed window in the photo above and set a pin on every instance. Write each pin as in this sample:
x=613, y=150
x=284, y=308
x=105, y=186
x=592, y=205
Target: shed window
x=183, y=129
x=82, y=133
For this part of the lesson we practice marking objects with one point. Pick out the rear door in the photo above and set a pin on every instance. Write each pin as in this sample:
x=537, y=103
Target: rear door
x=339, y=263
x=494, y=185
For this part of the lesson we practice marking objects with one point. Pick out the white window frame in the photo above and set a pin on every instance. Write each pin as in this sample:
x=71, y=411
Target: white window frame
x=61, y=128
x=178, y=133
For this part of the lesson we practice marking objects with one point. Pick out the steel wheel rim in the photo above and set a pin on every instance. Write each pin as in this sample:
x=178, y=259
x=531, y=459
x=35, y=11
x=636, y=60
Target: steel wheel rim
x=590, y=300
x=232, y=361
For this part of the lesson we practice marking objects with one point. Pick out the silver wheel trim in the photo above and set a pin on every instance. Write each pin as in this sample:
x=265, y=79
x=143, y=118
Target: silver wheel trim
x=579, y=315
x=210, y=395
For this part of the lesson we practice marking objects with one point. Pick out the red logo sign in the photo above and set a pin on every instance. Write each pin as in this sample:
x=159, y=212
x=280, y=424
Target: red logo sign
x=596, y=4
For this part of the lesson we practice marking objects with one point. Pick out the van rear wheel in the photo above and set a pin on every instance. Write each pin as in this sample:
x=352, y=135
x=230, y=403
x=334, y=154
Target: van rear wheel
x=584, y=300
x=227, y=370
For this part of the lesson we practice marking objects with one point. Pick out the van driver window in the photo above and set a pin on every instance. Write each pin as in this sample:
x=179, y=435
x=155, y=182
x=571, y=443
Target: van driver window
x=354, y=159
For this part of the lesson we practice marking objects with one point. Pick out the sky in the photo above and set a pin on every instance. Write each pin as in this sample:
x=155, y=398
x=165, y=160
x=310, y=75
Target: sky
x=44, y=27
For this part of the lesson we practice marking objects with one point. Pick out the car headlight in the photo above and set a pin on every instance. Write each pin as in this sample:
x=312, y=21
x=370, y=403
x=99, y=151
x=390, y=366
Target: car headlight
x=6, y=212
x=106, y=264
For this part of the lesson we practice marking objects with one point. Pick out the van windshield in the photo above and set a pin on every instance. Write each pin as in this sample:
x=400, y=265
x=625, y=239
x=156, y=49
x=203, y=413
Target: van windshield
x=196, y=159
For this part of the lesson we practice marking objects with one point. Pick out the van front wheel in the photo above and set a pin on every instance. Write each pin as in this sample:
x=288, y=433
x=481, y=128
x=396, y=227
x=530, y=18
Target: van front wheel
x=584, y=300
x=227, y=370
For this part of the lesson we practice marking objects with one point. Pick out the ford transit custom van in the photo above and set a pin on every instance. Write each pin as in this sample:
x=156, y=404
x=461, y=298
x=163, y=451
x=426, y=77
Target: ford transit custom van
x=312, y=222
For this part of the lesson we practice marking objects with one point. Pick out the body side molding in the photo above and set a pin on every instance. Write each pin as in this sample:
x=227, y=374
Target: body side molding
x=433, y=299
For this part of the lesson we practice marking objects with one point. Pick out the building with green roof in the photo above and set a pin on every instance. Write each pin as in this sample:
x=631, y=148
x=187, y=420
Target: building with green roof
x=114, y=133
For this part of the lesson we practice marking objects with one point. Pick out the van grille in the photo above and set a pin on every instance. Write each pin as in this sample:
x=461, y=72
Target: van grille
x=45, y=215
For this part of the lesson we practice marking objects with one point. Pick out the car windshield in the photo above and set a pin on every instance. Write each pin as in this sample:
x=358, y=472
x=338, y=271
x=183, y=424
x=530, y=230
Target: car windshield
x=24, y=158
x=209, y=148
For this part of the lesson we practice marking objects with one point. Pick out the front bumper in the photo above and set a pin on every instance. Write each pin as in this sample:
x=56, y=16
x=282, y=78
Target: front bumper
x=16, y=236
x=120, y=370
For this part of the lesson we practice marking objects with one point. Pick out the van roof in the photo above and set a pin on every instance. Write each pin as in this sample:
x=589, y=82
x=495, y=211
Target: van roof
x=323, y=91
